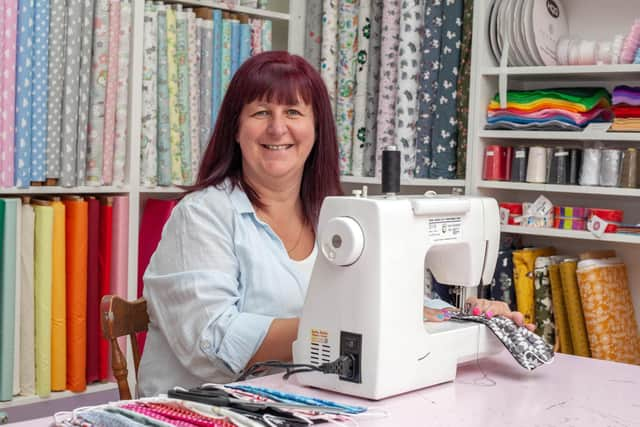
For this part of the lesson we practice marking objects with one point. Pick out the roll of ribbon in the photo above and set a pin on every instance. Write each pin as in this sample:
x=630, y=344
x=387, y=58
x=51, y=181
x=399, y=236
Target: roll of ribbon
x=519, y=164
x=590, y=168
x=613, y=216
x=514, y=209
x=629, y=169
x=537, y=165
x=495, y=163
x=570, y=212
x=575, y=158
x=570, y=223
x=559, y=170
x=610, y=167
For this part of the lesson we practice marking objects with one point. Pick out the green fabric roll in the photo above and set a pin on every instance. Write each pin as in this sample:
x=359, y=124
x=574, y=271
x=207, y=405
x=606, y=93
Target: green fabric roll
x=42, y=283
x=8, y=212
x=575, y=314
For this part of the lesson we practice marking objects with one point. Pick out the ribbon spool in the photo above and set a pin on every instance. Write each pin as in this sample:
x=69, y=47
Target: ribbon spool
x=590, y=168
x=575, y=159
x=497, y=166
x=610, y=167
x=559, y=169
x=537, y=165
x=519, y=164
x=629, y=170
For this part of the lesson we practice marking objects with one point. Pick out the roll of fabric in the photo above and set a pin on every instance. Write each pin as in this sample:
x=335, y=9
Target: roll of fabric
x=122, y=96
x=150, y=73
x=502, y=285
x=7, y=100
x=164, y=100
x=206, y=84
x=40, y=91
x=120, y=252
x=8, y=219
x=111, y=96
x=43, y=248
x=463, y=89
x=373, y=82
x=93, y=291
x=360, y=96
x=84, y=89
x=225, y=61
x=235, y=45
x=563, y=332
x=193, y=53
x=24, y=98
x=184, y=115
x=313, y=36
x=99, y=72
x=545, y=324
x=58, y=300
x=629, y=169
x=216, y=89
x=245, y=41
x=17, y=359
x=77, y=215
x=267, y=35
x=27, y=325
x=346, y=72
x=256, y=36
x=608, y=310
x=387, y=91
x=573, y=303
x=104, y=271
x=523, y=275
x=174, y=112
x=409, y=55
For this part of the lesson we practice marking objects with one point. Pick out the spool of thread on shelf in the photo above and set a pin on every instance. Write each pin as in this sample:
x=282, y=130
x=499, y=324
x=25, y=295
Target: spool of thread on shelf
x=537, y=165
x=391, y=170
x=629, y=170
x=559, y=171
x=610, y=167
x=590, y=168
x=519, y=165
x=575, y=158
x=495, y=163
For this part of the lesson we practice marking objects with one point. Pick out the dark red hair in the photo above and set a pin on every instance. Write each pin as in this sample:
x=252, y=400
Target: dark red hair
x=283, y=78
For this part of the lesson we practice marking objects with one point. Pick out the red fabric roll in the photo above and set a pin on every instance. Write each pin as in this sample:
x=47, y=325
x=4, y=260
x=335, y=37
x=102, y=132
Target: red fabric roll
x=104, y=272
x=156, y=212
x=93, y=293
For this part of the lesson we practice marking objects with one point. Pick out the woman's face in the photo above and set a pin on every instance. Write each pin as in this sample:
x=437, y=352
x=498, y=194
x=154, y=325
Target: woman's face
x=275, y=139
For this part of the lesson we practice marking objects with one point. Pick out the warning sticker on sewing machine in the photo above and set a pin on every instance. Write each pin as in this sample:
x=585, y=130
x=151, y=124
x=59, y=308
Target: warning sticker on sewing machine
x=318, y=336
x=447, y=228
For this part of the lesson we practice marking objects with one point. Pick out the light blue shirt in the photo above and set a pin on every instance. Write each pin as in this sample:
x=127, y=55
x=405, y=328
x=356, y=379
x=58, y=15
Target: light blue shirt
x=218, y=278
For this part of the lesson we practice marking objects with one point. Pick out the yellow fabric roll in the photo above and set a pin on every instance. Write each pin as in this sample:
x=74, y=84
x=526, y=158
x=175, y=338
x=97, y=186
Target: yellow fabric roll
x=42, y=283
x=573, y=304
x=58, y=301
x=608, y=310
x=559, y=310
x=523, y=274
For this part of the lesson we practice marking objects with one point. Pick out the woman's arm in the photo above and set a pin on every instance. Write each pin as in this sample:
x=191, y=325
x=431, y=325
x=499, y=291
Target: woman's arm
x=277, y=344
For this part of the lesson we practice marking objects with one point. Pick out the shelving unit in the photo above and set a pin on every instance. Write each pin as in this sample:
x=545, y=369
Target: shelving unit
x=288, y=24
x=588, y=19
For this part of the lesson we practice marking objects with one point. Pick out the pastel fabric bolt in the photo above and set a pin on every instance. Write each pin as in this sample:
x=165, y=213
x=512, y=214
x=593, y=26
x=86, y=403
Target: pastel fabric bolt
x=206, y=83
x=57, y=54
x=8, y=92
x=42, y=282
x=27, y=301
x=40, y=89
x=193, y=55
x=184, y=117
x=163, y=121
x=608, y=310
x=313, y=36
x=122, y=96
x=99, y=71
x=24, y=99
x=360, y=96
x=58, y=300
x=388, y=84
x=150, y=72
x=373, y=82
x=174, y=113
x=111, y=96
x=329, y=50
x=8, y=218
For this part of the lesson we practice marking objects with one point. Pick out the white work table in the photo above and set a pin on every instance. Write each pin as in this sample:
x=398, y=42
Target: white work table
x=573, y=391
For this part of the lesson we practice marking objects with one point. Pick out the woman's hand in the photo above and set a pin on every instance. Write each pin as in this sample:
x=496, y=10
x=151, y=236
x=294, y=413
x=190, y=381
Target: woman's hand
x=497, y=308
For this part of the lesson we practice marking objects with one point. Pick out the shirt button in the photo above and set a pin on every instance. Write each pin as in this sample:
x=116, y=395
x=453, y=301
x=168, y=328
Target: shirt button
x=206, y=345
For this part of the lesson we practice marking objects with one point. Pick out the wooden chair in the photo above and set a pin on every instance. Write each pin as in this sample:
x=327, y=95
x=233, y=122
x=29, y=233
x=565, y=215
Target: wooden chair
x=118, y=318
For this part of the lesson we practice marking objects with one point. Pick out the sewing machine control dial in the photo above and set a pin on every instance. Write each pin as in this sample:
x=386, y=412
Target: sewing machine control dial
x=342, y=241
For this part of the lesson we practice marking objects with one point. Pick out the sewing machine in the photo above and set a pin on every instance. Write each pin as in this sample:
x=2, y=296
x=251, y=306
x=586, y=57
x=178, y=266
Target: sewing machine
x=365, y=297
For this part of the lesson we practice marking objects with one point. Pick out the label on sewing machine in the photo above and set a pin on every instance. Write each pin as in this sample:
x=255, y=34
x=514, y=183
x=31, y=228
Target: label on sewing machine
x=318, y=336
x=447, y=228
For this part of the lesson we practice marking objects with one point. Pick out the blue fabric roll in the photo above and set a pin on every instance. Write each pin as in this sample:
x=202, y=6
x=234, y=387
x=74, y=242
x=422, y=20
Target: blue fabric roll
x=245, y=42
x=235, y=46
x=40, y=90
x=217, y=66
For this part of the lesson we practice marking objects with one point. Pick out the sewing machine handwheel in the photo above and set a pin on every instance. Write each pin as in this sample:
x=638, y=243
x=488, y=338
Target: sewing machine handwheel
x=342, y=241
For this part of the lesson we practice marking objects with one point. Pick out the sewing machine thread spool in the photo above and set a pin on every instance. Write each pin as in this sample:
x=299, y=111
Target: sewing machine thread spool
x=391, y=170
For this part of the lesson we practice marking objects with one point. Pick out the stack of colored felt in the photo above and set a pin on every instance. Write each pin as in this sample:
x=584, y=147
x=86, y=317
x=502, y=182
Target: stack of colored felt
x=569, y=109
x=626, y=109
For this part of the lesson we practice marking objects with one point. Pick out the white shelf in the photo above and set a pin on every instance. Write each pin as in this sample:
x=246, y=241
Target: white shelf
x=417, y=182
x=573, y=189
x=27, y=400
x=259, y=13
x=587, y=135
x=161, y=190
x=63, y=190
x=571, y=234
x=572, y=72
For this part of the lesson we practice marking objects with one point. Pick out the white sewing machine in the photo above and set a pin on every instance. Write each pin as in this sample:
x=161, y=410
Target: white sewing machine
x=365, y=297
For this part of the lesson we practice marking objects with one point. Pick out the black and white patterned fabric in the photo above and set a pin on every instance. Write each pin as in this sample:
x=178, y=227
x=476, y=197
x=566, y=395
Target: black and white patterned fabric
x=529, y=350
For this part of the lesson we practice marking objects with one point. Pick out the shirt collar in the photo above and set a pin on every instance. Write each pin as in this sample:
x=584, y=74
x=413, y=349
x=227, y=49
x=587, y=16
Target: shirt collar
x=239, y=199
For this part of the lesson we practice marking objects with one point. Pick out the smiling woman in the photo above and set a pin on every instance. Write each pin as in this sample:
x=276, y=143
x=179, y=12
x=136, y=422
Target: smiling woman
x=228, y=280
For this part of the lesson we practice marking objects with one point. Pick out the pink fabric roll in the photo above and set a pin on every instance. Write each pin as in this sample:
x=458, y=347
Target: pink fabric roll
x=120, y=253
x=112, y=93
x=8, y=93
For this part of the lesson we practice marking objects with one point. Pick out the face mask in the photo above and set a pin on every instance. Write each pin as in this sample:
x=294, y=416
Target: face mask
x=529, y=350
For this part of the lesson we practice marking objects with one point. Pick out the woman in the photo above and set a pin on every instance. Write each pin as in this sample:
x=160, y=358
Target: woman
x=228, y=279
